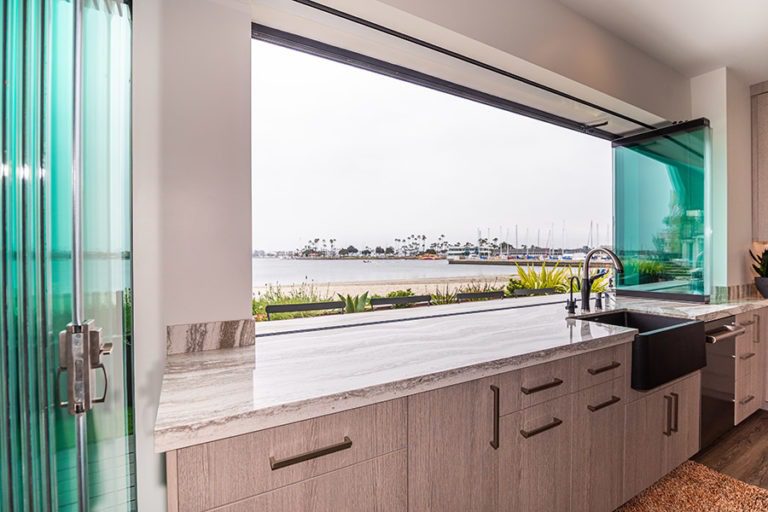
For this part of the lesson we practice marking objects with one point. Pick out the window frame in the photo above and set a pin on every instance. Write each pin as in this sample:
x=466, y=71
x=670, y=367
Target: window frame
x=341, y=55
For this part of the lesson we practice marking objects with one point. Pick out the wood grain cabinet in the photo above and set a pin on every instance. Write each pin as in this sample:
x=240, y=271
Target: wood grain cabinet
x=564, y=436
x=296, y=464
x=662, y=432
x=452, y=454
x=686, y=428
x=598, y=447
x=377, y=485
x=545, y=438
x=535, y=458
x=751, y=360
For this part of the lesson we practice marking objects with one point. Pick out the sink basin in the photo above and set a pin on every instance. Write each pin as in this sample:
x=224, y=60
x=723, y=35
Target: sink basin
x=664, y=349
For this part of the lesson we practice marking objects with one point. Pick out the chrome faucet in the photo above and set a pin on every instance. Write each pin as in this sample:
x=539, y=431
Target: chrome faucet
x=586, y=280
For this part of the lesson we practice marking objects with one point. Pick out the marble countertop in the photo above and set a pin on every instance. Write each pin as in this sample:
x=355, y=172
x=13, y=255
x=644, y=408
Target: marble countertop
x=304, y=368
x=705, y=312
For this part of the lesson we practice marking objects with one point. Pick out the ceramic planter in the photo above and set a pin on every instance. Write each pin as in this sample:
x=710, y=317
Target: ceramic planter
x=762, y=285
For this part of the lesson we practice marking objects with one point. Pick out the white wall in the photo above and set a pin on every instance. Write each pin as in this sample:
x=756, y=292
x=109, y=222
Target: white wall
x=721, y=97
x=192, y=188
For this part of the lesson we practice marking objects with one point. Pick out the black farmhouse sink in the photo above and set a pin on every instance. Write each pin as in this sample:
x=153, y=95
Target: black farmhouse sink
x=665, y=348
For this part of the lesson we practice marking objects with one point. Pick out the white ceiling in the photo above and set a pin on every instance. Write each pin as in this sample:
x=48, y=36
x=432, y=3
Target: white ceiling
x=691, y=36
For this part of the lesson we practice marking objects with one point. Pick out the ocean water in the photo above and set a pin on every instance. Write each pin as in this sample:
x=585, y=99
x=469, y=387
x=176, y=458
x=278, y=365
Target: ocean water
x=286, y=271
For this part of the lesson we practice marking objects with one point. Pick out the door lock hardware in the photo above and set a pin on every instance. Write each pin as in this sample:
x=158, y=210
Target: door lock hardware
x=80, y=352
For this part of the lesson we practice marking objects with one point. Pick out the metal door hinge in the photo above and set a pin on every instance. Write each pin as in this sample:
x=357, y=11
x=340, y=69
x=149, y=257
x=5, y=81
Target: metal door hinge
x=80, y=352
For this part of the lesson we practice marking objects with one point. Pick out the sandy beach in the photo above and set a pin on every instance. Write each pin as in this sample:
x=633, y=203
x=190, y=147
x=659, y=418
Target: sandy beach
x=417, y=285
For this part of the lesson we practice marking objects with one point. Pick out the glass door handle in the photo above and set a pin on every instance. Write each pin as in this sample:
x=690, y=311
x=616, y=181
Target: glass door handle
x=80, y=352
x=103, y=397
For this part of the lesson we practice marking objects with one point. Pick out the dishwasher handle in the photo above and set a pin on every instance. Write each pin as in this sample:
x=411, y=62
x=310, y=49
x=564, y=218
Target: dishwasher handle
x=727, y=332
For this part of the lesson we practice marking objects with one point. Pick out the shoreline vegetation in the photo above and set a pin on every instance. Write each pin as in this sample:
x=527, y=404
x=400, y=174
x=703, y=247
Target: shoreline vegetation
x=443, y=290
x=419, y=285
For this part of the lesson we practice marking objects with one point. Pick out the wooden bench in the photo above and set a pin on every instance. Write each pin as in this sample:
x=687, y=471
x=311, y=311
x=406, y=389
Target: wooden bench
x=469, y=296
x=302, y=307
x=527, y=292
x=382, y=302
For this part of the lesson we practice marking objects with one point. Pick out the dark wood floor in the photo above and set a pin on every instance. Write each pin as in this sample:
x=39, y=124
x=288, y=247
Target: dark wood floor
x=743, y=452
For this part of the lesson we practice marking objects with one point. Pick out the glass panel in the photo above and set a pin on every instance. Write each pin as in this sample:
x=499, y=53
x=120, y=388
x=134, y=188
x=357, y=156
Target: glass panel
x=662, y=211
x=60, y=232
x=106, y=242
x=107, y=247
x=497, y=81
x=37, y=437
x=24, y=368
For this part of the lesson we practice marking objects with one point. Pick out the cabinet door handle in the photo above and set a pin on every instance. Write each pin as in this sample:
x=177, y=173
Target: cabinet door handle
x=728, y=332
x=676, y=417
x=528, y=391
x=496, y=413
x=747, y=400
x=668, y=431
x=747, y=356
x=756, y=329
x=603, y=405
x=290, y=461
x=606, y=368
x=556, y=422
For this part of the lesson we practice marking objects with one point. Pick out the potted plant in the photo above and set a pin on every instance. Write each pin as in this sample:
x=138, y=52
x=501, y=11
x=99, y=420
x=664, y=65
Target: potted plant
x=761, y=267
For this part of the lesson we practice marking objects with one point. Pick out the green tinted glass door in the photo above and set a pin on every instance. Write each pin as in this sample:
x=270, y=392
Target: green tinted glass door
x=662, y=211
x=65, y=249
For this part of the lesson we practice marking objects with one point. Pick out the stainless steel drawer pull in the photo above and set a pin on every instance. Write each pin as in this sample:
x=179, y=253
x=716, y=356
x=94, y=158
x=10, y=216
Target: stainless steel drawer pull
x=603, y=405
x=727, y=332
x=747, y=323
x=528, y=391
x=747, y=356
x=747, y=400
x=290, y=461
x=556, y=422
x=606, y=368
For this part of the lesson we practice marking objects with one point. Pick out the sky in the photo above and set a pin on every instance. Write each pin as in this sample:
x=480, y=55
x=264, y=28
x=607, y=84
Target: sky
x=344, y=153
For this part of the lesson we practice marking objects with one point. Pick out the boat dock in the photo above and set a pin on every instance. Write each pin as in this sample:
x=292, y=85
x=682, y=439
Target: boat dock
x=538, y=263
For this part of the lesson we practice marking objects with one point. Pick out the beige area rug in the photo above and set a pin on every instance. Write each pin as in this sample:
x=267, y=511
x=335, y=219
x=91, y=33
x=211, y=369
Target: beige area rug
x=695, y=487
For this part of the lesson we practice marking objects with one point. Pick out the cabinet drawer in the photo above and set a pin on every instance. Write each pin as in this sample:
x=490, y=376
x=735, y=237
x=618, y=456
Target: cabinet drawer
x=535, y=458
x=747, y=354
x=537, y=384
x=221, y=472
x=748, y=396
x=377, y=485
x=598, y=447
x=601, y=365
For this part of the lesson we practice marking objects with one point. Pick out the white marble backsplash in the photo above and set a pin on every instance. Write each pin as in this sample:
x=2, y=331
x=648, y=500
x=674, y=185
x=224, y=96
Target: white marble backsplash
x=185, y=338
x=735, y=292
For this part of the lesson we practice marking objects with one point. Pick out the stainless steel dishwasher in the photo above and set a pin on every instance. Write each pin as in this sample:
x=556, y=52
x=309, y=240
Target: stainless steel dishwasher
x=718, y=379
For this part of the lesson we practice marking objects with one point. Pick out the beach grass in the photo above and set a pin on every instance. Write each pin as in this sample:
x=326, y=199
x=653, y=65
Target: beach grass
x=356, y=295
